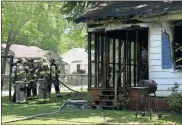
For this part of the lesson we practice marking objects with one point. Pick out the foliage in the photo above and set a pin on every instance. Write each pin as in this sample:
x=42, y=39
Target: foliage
x=175, y=99
x=74, y=37
x=31, y=23
x=36, y=23
x=89, y=98
x=73, y=9
x=122, y=101
x=178, y=49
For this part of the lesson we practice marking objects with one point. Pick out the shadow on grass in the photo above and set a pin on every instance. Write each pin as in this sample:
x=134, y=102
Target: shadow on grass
x=78, y=115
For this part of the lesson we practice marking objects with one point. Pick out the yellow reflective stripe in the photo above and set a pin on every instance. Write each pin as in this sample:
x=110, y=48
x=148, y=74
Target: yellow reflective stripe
x=46, y=99
x=20, y=73
x=19, y=82
x=23, y=101
x=41, y=99
x=43, y=72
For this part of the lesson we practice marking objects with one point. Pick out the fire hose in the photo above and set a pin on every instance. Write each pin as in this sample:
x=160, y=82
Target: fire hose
x=38, y=115
x=45, y=114
x=67, y=86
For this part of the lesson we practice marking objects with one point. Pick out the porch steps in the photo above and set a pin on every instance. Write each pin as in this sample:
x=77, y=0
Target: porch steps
x=105, y=99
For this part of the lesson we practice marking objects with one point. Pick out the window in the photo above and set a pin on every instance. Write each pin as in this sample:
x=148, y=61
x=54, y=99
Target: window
x=78, y=68
x=177, y=47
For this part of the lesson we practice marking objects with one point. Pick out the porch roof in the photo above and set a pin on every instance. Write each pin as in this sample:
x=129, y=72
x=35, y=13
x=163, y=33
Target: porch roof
x=128, y=9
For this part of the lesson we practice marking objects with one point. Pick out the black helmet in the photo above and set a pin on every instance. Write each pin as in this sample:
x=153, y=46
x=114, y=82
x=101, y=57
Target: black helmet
x=52, y=60
x=20, y=60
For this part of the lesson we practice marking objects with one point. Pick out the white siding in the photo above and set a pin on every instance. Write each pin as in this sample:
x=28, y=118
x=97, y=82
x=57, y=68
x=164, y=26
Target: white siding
x=154, y=56
x=164, y=77
x=72, y=67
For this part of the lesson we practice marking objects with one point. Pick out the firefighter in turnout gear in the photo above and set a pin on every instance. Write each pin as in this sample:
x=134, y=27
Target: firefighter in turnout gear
x=31, y=80
x=43, y=73
x=54, y=76
x=19, y=77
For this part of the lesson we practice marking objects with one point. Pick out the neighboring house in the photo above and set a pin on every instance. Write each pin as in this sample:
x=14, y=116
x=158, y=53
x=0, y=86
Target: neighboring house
x=22, y=51
x=76, y=59
x=153, y=28
x=9, y=53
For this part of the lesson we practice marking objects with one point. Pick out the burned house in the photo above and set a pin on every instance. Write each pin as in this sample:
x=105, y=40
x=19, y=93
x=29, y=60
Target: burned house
x=133, y=41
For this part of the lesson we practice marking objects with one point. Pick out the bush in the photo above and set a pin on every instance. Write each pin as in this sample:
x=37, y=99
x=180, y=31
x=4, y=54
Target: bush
x=175, y=99
x=122, y=102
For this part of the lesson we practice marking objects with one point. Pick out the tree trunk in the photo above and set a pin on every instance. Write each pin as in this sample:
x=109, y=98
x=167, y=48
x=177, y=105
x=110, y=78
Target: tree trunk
x=3, y=66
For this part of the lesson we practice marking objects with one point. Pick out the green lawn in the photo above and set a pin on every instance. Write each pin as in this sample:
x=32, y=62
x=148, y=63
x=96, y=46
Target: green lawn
x=76, y=116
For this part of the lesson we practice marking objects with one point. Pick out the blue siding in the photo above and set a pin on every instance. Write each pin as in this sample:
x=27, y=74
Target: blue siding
x=166, y=52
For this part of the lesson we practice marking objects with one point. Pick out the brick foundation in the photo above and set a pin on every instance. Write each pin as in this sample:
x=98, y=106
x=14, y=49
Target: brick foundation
x=162, y=102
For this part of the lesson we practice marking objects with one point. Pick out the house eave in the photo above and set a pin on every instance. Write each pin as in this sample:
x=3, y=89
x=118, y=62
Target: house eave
x=177, y=15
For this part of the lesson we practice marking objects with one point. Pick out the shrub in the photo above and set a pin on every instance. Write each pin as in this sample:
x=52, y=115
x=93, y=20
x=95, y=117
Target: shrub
x=122, y=101
x=175, y=99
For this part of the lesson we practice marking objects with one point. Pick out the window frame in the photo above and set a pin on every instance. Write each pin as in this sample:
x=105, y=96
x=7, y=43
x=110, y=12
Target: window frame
x=173, y=26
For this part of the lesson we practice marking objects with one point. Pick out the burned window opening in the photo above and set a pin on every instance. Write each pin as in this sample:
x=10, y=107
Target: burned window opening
x=177, y=47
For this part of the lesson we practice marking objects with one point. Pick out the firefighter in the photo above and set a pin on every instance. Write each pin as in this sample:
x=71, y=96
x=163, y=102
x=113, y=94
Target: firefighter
x=54, y=74
x=43, y=73
x=31, y=80
x=19, y=81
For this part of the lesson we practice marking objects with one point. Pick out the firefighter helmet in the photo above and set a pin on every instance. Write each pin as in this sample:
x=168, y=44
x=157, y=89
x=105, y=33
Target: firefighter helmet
x=44, y=59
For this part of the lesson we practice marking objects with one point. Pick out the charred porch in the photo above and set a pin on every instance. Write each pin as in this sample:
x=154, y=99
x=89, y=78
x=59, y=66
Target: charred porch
x=117, y=60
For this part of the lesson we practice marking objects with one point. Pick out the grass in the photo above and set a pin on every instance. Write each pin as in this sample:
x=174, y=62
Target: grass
x=76, y=116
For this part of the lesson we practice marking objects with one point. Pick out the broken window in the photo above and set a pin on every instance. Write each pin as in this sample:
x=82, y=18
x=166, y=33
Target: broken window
x=177, y=47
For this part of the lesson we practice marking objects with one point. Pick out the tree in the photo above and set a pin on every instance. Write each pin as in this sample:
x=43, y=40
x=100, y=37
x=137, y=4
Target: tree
x=75, y=37
x=42, y=24
x=73, y=9
x=31, y=23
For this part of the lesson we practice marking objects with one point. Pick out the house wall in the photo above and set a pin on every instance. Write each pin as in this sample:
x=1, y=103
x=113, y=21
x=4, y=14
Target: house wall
x=72, y=67
x=164, y=77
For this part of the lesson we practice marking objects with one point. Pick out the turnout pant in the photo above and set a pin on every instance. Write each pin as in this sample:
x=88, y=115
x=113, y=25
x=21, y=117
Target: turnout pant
x=20, y=92
x=56, y=86
x=32, y=87
x=43, y=91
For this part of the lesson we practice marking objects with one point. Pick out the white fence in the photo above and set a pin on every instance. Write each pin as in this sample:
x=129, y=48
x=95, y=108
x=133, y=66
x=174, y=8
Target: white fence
x=80, y=81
